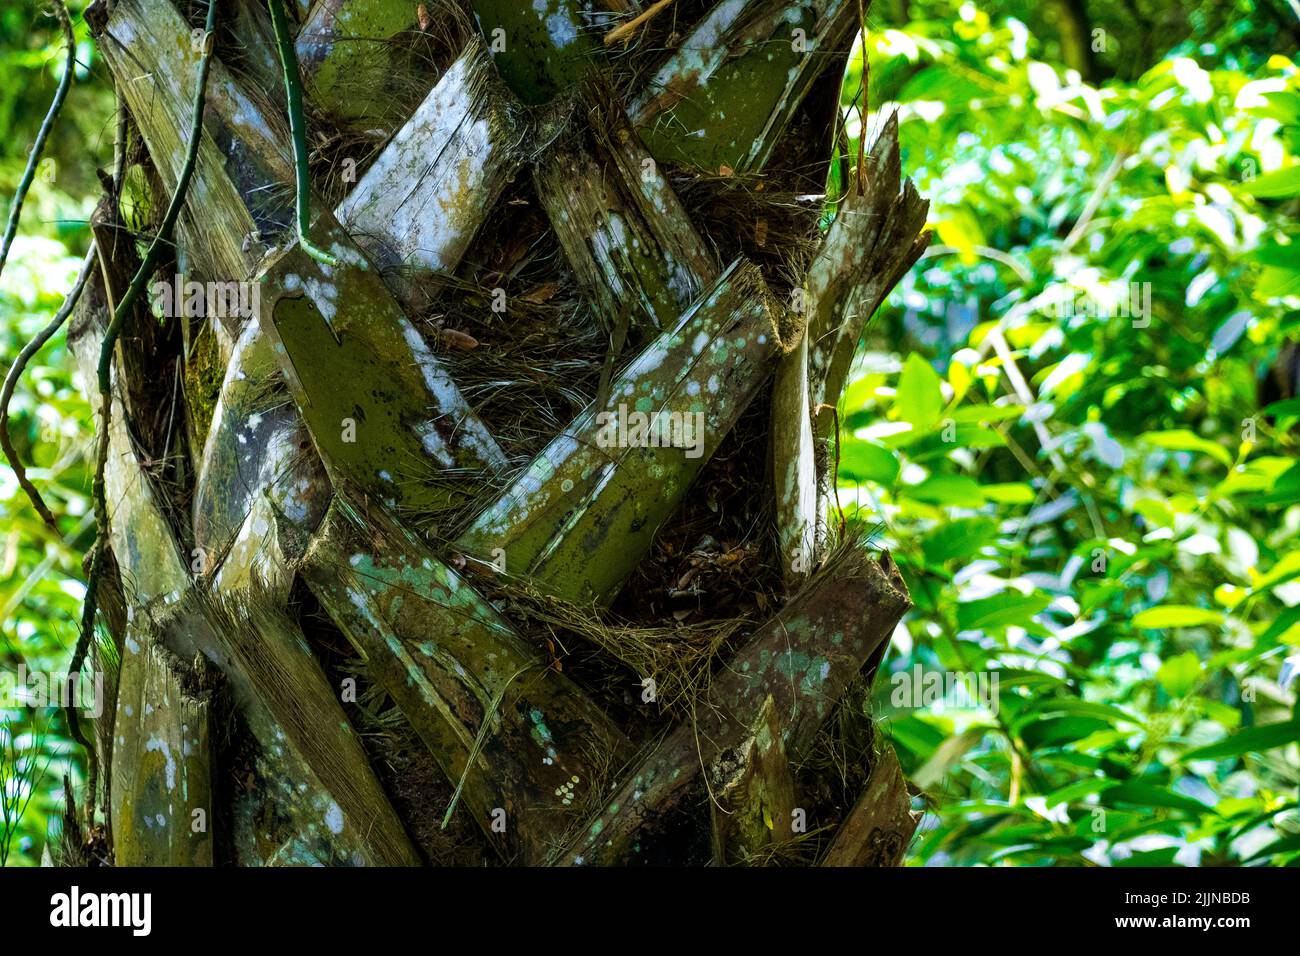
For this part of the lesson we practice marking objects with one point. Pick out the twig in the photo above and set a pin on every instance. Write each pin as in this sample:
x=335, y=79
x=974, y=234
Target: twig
x=1094, y=201
x=120, y=313
x=60, y=94
x=1026, y=396
x=297, y=130
x=15, y=373
x=624, y=31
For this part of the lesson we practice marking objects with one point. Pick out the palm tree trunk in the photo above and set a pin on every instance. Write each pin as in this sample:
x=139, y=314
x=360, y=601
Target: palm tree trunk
x=399, y=553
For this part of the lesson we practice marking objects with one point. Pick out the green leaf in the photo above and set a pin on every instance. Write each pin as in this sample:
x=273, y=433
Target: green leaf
x=919, y=399
x=1164, y=856
x=1086, y=708
x=958, y=540
x=859, y=393
x=1283, y=106
x=1079, y=789
x=1033, y=680
x=1009, y=493
x=1147, y=795
x=1285, y=489
x=1286, y=569
x=1180, y=674
x=1287, y=844
x=916, y=735
x=1279, y=184
x=1001, y=610
x=1283, y=623
x=937, y=443
x=947, y=754
x=1274, y=282
x=862, y=460
x=1250, y=740
x=1184, y=440
x=1176, y=615
x=945, y=83
x=1056, y=731
x=1286, y=408
x=1257, y=475
x=954, y=491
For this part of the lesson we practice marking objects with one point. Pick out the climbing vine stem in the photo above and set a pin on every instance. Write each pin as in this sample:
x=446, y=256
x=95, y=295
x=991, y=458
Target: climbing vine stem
x=297, y=129
x=60, y=94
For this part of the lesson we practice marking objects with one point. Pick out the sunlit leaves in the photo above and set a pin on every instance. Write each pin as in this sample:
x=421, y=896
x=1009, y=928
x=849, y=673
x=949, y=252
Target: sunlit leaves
x=1105, y=515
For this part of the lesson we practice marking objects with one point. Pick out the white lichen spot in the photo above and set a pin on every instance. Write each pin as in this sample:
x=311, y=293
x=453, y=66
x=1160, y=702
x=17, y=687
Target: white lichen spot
x=158, y=745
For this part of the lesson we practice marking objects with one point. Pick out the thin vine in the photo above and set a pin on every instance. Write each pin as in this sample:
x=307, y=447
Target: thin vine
x=60, y=94
x=297, y=130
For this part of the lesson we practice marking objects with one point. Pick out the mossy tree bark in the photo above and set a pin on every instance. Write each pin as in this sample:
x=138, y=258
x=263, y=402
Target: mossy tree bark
x=395, y=562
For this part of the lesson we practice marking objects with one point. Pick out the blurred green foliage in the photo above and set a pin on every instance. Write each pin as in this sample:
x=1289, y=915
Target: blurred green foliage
x=40, y=572
x=1075, y=424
